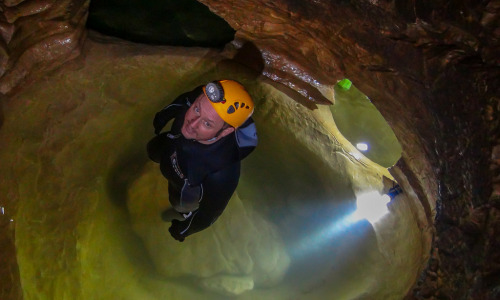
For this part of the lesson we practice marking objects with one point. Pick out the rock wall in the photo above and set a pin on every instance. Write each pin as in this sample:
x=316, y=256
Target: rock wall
x=88, y=218
x=430, y=67
x=35, y=37
x=38, y=36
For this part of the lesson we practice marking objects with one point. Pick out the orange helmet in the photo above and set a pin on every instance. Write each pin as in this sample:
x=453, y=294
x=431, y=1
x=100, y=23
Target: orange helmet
x=230, y=100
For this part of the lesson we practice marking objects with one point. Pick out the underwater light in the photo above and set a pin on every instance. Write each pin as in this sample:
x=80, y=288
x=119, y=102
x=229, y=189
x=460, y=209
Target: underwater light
x=370, y=206
x=362, y=146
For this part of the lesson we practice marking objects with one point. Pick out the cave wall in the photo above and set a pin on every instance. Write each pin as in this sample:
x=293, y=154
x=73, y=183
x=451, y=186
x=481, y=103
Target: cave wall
x=38, y=36
x=430, y=67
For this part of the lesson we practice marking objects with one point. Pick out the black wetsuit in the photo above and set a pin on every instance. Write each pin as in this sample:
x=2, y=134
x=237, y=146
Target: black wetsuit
x=201, y=178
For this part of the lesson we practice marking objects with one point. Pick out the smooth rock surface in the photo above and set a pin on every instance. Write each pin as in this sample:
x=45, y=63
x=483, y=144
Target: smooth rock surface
x=430, y=68
x=87, y=221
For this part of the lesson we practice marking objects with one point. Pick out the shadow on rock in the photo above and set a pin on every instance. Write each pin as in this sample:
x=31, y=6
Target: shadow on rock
x=125, y=171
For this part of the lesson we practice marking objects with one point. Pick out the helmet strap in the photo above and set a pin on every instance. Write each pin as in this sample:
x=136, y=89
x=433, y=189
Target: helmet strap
x=225, y=126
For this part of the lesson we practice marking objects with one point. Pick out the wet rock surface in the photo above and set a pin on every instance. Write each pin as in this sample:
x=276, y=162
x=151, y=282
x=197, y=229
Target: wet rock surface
x=88, y=223
x=37, y=37
x=430, y=68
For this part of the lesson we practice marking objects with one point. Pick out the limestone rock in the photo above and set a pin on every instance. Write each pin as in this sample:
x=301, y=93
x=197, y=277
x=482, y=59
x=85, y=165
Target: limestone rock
x=228, y=285
x=38, y=36
x=240, y=242
x=429, y=67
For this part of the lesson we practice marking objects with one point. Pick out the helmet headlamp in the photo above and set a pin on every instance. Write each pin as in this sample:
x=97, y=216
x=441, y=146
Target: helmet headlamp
x=214, y=92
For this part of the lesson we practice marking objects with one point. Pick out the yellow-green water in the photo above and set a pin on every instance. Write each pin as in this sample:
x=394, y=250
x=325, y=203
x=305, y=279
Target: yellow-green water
x=88, y=201
x=360, y=122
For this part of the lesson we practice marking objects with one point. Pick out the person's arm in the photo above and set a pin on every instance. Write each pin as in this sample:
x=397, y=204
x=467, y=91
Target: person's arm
x=170, y=111
x=217, y=190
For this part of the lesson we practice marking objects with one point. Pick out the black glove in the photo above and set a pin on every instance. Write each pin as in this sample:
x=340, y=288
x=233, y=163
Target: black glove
x=159, y=122
x=175, y=230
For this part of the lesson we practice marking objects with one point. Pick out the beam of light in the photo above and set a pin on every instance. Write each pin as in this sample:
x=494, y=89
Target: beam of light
x=317, y=240
x=370, y=206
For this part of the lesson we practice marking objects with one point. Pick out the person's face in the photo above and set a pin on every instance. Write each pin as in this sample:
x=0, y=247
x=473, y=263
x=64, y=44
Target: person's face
x=202, y=123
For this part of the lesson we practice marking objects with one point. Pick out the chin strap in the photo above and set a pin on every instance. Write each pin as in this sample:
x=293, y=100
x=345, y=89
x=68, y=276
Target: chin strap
x=216, y=135
x=209, y=140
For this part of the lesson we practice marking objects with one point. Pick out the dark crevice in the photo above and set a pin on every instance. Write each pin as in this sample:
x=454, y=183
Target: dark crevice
x=160, y=22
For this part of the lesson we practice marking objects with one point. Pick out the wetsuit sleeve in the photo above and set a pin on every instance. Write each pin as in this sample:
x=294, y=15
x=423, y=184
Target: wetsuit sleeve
x=173, y=109
x=217, y=190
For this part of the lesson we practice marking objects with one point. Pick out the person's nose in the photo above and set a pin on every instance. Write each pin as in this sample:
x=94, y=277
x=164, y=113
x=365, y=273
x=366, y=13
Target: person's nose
x=195, y=122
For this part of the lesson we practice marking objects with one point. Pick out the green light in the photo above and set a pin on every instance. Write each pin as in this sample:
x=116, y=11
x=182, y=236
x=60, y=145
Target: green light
x=345, y=84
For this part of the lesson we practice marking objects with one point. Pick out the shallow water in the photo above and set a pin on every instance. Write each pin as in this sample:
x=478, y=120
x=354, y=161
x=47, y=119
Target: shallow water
x=360, y=122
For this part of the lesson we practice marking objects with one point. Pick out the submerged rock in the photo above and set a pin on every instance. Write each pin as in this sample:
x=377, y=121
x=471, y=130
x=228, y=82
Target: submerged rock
x=228, y=285
x=239, y=243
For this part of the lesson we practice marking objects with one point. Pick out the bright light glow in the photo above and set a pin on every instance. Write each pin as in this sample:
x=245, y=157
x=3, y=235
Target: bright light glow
x=362, y=146
x=371, y=206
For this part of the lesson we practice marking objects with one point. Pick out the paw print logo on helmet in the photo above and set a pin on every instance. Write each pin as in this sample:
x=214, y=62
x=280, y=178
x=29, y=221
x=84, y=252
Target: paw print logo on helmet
x=230, y=100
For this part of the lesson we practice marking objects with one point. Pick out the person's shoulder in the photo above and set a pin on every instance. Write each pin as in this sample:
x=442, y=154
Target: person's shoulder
x=246, y=138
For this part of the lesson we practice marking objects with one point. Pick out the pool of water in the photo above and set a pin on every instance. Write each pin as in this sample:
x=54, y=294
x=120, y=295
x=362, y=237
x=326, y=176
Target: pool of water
x=87, y=200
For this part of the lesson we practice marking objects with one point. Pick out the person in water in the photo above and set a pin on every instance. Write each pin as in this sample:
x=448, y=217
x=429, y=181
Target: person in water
x=200, y=156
